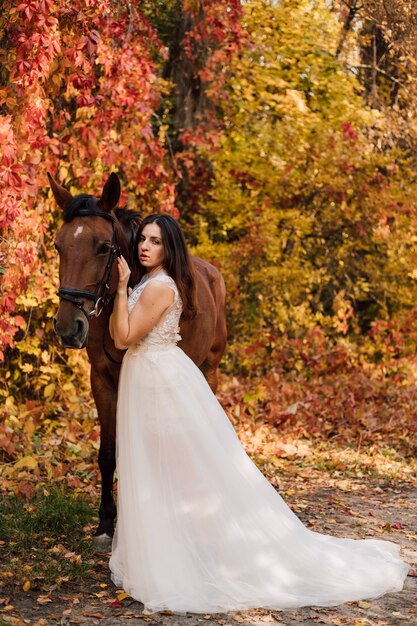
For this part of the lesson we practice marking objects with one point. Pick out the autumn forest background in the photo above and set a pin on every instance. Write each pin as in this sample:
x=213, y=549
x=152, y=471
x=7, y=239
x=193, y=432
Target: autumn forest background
x=283, y=135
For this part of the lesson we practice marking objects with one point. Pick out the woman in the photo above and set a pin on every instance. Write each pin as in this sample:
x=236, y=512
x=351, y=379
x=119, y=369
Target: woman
x=199, y=528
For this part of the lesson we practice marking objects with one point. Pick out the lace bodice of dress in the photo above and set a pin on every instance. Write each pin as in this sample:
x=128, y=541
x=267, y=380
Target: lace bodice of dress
x=166, y=331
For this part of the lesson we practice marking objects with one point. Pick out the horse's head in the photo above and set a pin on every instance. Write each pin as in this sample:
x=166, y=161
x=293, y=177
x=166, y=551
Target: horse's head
x=87, y=246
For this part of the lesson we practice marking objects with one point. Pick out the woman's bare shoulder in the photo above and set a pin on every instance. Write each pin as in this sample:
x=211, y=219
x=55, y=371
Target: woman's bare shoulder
x=157, y=290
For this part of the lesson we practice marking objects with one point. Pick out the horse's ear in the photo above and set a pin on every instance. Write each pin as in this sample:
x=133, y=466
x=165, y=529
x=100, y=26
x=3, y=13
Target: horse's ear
x=62, y=195
x=111, y=193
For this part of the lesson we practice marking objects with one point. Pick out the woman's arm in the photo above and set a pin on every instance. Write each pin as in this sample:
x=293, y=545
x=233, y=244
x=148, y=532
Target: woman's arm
x=120, y=303
x=126, y=329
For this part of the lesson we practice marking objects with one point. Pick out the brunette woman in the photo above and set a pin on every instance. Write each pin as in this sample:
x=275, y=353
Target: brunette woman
x=199, y=528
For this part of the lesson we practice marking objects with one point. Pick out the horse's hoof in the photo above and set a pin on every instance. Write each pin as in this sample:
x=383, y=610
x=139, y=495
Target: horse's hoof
x=102, y=543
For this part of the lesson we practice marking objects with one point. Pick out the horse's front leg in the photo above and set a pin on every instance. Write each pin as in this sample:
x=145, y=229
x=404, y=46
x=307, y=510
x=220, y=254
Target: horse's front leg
x=105, y=396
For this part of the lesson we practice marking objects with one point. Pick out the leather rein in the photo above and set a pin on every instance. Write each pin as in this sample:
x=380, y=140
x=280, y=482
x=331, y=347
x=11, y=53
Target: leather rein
x=100, y=296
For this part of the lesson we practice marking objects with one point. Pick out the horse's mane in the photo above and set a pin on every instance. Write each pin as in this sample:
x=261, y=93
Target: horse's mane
x=83, y=201
x=129, y=221
x=126, y=217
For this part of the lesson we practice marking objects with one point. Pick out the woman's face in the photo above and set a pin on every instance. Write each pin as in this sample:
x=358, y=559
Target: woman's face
x=150, y=248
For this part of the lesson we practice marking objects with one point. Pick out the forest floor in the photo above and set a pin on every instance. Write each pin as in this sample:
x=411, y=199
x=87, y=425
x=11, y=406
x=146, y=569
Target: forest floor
x=338, y=502
x=347, y=479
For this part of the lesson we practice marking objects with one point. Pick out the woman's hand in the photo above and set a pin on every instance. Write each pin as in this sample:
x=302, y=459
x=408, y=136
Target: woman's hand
x=124, y=274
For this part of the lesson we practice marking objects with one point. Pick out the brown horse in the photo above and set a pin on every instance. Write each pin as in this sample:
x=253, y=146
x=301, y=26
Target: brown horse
x=93, y=233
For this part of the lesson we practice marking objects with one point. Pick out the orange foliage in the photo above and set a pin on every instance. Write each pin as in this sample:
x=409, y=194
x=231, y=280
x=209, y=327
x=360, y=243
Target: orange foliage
x=82, y=90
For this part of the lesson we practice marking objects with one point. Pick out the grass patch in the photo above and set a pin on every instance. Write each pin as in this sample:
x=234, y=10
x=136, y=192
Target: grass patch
x=44, y=540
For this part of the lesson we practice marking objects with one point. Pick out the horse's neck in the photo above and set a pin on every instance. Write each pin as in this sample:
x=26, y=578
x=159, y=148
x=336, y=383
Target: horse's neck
x=123, y=236
x=100, y=344
x=99, y=326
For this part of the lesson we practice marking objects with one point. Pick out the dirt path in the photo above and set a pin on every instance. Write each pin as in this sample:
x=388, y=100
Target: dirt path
x=358, y=508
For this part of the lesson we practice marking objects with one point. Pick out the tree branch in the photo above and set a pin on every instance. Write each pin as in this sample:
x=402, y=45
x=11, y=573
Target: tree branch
x=379, y=70
x=353, y=10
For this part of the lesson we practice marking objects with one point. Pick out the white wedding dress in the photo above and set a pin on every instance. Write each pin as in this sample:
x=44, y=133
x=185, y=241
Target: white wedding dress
x=199, y=528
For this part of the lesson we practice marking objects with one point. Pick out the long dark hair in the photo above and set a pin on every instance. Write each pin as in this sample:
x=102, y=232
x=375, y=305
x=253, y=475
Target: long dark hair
x=176, y=263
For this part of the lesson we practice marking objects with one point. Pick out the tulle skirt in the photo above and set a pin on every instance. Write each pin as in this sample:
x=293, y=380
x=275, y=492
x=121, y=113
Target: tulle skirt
x=199, y=528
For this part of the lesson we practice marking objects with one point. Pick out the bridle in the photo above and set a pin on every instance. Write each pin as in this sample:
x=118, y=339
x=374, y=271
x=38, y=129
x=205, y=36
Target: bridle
x=100, y=296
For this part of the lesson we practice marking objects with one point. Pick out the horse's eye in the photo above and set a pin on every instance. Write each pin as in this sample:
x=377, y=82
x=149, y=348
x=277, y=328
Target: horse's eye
x=104, y=248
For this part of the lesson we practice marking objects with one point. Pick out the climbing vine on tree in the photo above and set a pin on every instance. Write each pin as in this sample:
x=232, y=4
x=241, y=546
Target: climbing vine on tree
x=83, y=93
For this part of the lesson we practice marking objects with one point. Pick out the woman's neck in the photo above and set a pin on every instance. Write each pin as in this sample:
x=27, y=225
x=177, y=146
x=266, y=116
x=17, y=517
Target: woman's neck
x=155, y=270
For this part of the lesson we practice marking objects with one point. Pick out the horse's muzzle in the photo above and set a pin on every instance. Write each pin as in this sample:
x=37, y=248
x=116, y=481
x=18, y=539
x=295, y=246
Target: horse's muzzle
x=73, y=334
x=72, y=343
